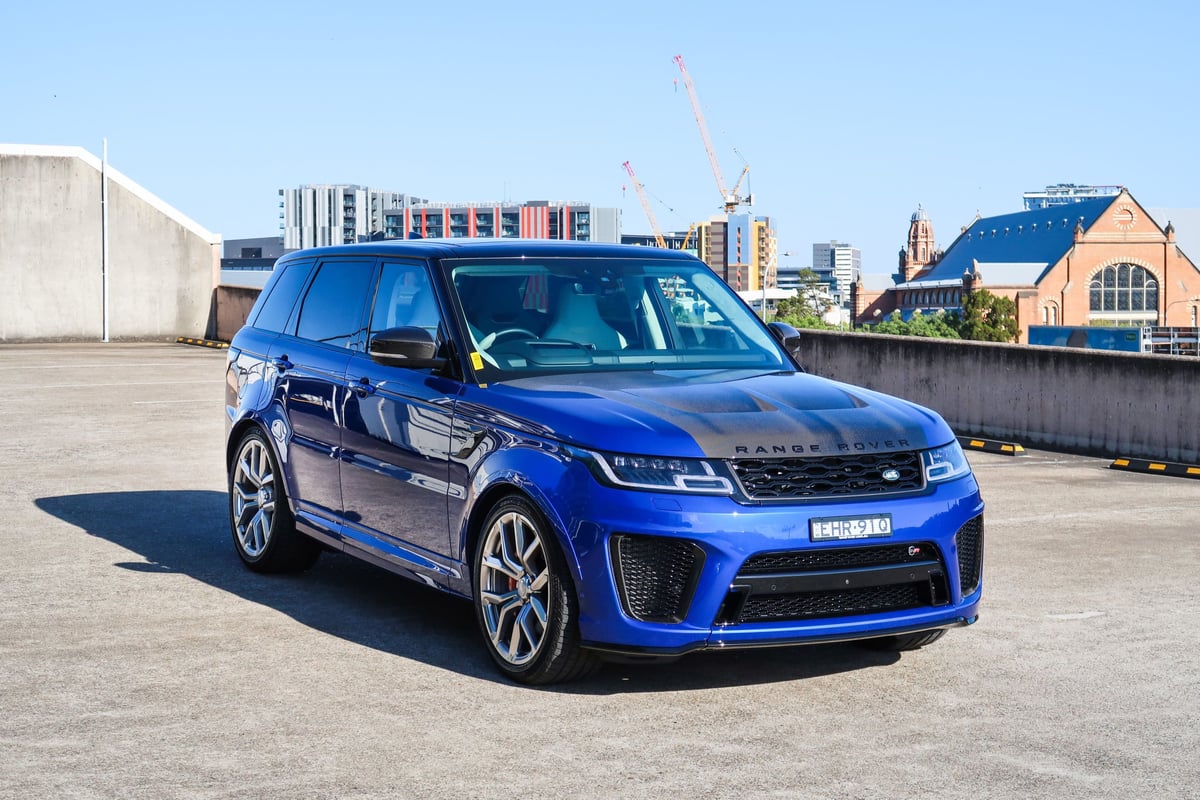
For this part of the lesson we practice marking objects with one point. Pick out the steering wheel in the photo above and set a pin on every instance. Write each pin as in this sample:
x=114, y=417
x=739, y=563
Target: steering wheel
x=509, y=333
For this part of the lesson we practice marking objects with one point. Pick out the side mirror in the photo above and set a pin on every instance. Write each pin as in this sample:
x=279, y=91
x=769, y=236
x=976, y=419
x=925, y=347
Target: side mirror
x=789, y=337
x=413, y=348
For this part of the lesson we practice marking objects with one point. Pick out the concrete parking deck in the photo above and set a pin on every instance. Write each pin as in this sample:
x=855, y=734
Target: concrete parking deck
x=140, y=660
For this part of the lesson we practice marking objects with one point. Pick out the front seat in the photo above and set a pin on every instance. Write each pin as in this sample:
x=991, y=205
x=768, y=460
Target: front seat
x=577, y=319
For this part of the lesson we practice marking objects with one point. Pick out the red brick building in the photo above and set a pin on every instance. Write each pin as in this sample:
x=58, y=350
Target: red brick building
x=1101, y=261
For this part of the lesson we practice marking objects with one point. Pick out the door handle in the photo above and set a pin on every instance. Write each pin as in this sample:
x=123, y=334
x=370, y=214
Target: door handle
x=281, y=363
x=361, y=387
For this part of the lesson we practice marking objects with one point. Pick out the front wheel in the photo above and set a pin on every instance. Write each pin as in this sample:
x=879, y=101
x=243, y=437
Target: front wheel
x=524, y=598
x=264, y=532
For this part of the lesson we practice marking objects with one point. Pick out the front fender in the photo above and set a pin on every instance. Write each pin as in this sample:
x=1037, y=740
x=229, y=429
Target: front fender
x=555, y=481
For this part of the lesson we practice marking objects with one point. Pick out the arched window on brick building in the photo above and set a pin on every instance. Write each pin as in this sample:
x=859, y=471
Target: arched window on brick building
x=1123, y=290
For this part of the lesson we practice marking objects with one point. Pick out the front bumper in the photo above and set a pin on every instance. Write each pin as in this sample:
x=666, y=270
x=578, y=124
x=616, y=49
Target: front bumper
x=666, y=574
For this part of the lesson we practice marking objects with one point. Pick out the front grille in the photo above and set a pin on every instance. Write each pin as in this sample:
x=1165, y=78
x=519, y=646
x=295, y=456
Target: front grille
x=969, y=541
x=828, y=476
x=838, y=558
x=656, y=576
x=807, y=605
x=836, y=581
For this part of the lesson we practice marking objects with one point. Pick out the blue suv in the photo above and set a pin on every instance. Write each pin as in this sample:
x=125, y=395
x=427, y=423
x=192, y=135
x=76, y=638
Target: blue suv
x=600, y=445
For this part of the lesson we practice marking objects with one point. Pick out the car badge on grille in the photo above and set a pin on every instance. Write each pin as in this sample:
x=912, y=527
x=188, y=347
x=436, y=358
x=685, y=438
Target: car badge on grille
x=891, y=474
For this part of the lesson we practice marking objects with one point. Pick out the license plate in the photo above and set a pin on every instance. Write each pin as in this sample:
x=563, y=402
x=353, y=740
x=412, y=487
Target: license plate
x=871, y=526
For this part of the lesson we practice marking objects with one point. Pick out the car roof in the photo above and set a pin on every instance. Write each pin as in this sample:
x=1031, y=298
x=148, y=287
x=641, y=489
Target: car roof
x=492, y=248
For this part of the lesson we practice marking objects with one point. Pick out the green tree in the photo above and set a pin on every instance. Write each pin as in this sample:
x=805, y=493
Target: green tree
x=939, y=326
x=989, y=318
x=800, y=312
x=805, y=309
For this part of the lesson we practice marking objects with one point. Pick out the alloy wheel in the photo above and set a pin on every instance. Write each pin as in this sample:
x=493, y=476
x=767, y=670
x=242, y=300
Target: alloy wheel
x=254, y=494
x=514, y=582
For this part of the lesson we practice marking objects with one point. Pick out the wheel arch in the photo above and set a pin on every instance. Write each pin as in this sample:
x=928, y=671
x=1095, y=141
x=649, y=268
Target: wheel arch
x=237, y=433
x=513, y=486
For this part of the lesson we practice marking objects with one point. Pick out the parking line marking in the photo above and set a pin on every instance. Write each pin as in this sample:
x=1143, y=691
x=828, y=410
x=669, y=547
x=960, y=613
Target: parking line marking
x=164, y=402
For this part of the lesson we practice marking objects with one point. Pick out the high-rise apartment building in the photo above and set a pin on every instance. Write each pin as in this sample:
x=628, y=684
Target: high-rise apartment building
x=740, y=248
x=321, y=215
x=534, y=219
x=314, y=216
x=842, y=262
x=1062, y=193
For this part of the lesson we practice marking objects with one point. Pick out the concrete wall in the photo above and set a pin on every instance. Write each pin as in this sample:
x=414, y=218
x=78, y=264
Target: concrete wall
x=1092, y=402
x=231, y=306
x=162, y=265
x=1081, y=401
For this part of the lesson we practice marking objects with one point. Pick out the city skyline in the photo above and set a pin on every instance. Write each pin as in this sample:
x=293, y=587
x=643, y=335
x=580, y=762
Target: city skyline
x=848, y=118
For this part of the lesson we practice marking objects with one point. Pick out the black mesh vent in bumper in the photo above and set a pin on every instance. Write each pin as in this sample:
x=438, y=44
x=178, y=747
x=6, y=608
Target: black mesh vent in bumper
x=656, y=575
x=829, y=476
x=834, y=582
x=837, y=558
x=803, y=605
x=969, y=541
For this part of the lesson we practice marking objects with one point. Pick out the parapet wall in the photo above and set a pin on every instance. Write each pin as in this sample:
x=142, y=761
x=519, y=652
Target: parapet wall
x=161, y=265
x=1070, y=400
x=1078, y=401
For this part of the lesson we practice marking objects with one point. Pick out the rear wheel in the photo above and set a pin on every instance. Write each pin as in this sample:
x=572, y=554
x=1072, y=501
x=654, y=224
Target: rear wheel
x=524, y=598
x=909, y=641
x=264, y=532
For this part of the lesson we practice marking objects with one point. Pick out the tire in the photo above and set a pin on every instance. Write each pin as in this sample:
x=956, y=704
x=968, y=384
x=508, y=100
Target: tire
x=260, y=519
x=524, y=598
x=909, y=641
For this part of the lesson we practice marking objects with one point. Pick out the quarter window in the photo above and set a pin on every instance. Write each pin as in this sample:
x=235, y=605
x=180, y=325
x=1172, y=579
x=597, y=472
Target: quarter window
x=277, y=306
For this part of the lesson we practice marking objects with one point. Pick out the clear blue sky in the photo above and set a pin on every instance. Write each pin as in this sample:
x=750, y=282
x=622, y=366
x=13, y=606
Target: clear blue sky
x=849, y=114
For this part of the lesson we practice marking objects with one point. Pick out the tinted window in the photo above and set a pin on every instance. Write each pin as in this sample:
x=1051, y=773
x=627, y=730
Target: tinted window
x=276, y=307
x=404, y=298
x=333, y=307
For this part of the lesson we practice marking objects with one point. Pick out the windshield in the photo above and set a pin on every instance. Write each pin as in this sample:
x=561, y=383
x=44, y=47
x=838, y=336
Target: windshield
x=531, y=316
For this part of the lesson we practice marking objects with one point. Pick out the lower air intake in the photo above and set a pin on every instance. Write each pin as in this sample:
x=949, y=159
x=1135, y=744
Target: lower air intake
x=656, y=575
x=969, y=541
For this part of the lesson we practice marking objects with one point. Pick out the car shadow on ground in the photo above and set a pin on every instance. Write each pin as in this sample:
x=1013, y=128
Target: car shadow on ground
x=186, y=532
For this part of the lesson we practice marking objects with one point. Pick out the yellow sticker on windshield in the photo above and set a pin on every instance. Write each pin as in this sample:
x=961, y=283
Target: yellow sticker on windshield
x=476, y=360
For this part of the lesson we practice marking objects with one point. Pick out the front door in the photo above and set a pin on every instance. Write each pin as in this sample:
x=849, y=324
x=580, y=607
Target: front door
x=396, y=438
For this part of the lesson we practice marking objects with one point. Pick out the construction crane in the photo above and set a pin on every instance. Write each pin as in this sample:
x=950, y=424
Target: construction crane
x=641, y=193
x=730, y=199
x=688, y=238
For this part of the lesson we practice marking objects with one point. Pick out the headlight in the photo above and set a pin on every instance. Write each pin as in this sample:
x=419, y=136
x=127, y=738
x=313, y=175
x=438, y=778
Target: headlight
x=945, y=463
x=659, y=474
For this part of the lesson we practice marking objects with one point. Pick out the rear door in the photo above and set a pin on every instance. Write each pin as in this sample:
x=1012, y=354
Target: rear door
x=312, y=360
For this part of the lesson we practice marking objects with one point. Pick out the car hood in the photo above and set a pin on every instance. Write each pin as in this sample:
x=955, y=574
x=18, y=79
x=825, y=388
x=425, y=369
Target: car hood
x=713, y=414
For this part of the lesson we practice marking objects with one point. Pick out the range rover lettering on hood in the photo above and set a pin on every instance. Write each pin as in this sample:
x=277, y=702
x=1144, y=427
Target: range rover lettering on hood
x=817, y=448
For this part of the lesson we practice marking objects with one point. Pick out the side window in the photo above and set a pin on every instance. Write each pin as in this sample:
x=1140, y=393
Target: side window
x=333, y=307
x=405, y=299
x=279, y=299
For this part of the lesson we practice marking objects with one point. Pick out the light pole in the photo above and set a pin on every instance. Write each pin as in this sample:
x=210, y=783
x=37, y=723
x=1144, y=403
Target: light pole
x=766, y=274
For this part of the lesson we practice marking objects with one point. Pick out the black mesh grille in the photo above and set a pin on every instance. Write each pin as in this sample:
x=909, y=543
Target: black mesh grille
x=829, y=476
x=656, y=575
x=836, y=581
x=838, y=558
x=969, y=540
x=807, y=605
